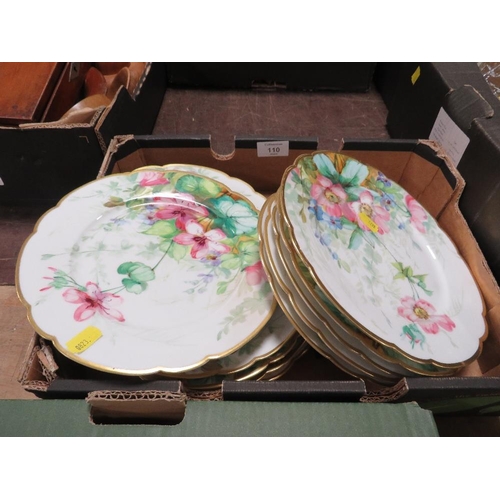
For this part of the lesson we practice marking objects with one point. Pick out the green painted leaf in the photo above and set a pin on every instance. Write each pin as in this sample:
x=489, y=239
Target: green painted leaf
x=176, y=251
x=423, y=287
x=353, y=174
x=47, y=256
x=356, y=239
x=133, y=287
x=308, y=166
x=208, y=188
x=345, y=265
x=409, y=271
x=125, y=245
x=230, y=261
x=114, y=201
x=225, y=272
x=135, y=202
x=234, y=217
x=399, y=276
x=264, y=290
x=165, y=245
x=163, y=188
x=326, y=167
x=142, y=273
x=126, y=266
x=136, y=271
x=59, y=283
x=248, y=252
x=163, y=228
x=398, y=266
x=353, y=192
x=347, y=224
x=295, y=177
x=204, y=188
x=222, y=287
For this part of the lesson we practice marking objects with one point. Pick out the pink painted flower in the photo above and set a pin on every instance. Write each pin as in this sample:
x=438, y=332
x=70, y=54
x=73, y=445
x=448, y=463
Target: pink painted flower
x=255, y=274
x=92, y=301
x=376, y=213
x=330, y=197
x=182, y=209
x=204, y=243
x=152, y=178
x=418, y=214
x=424, y=314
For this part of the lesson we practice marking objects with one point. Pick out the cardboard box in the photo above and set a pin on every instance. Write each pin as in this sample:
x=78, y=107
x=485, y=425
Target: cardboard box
x=345, y=77
x=44, y=161
x=414, y=94
x=417, y=165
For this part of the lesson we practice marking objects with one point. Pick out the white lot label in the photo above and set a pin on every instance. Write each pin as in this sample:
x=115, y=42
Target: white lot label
x=272, y=148
x=447, y=133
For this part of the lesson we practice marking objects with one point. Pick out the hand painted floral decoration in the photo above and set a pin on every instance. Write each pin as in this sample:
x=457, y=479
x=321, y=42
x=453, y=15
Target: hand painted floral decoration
x=191, y=218
x=359, y=205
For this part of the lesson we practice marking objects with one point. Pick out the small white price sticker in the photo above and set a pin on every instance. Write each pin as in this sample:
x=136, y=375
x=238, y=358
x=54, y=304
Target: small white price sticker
x=272, y=148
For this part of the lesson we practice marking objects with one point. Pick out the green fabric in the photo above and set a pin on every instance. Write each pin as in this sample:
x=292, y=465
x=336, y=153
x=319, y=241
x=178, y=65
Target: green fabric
x=228, y=418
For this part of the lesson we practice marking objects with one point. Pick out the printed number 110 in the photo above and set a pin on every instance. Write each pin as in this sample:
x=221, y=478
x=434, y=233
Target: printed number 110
x=275, y=149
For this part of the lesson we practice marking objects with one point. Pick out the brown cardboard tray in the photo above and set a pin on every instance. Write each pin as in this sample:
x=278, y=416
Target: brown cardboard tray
x=421, y=168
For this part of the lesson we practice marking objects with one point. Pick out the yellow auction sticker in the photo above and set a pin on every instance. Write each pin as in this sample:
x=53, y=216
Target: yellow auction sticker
x=84, y=339
x=415, y=75
x=368, y=222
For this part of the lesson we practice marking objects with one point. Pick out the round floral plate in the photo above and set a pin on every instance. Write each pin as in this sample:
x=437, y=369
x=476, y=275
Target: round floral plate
x=293, y=305
x=278, y=330
x=379, y=354
x=146, y=272
x=333, y=333
x=382, y=259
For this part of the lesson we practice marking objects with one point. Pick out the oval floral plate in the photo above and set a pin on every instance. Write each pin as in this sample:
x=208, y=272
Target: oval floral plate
x=382, y=259
x=146, y=272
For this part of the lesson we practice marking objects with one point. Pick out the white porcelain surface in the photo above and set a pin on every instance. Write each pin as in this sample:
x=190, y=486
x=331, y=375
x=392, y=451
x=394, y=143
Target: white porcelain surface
x=164, y=264
x=383, y=260
x=293, y=304
x=333, y=332
x=278, y=329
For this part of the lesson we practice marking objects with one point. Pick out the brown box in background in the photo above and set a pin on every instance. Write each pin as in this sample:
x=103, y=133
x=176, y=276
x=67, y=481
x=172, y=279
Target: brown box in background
x=419, y=167
x=42, y=162
x=26, y=90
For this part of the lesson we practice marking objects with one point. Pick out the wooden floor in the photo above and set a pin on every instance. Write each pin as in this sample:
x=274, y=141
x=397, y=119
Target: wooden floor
x=328, y=116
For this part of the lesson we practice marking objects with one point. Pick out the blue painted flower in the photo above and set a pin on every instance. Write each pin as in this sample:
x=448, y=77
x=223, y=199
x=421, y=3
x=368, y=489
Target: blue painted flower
x=382, y=178
x=317, y=211
x=206, y=278
x=387, y=201
x=335, y=222
x=325, y=239
x=119, y=221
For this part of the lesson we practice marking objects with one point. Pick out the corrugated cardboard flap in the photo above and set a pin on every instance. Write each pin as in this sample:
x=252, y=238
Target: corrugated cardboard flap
x=158, y=407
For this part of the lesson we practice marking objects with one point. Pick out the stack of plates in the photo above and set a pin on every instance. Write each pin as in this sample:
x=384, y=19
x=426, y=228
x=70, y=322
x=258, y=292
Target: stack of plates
x=157, y=272
x=365, y=273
